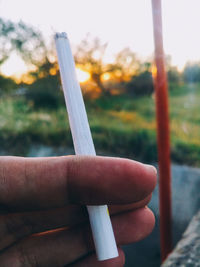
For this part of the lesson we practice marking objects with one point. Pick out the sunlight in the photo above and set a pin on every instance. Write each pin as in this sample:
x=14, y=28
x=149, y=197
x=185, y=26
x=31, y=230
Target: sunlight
x=24, y=78
x=106, y=76
x=14, y=66
x=154, y=70
x=82, y=75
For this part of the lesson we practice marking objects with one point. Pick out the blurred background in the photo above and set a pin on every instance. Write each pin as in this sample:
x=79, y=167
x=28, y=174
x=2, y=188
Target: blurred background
x=112, y=43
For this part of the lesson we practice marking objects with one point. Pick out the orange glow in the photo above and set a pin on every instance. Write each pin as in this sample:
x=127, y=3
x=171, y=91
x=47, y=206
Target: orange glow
x=53, y=71
x=24, y=78
x=106, y=76
x=82, y=75
x=154, y=71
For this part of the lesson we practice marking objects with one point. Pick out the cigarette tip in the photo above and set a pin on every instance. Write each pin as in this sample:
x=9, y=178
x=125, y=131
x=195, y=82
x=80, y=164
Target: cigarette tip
x=61, y=35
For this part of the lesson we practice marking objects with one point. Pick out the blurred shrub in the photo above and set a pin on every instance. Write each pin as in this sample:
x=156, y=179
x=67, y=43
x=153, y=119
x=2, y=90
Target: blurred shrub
x=45, y=93
x=138, y=144
x=140, y=85
x=174, y=76
x=6, y=85
x=191, y=72
x=185, y=153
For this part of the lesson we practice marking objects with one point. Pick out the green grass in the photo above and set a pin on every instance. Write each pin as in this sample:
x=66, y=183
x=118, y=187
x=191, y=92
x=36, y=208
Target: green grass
x=121, y=125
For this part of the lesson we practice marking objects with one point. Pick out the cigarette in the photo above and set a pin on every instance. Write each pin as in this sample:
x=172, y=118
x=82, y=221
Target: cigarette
x=100, y=222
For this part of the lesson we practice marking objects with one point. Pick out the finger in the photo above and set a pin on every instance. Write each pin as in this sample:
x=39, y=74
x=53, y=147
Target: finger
x=91, y=261
x=61, y=247
x=16, y=226
x=115, y=209
x=54, y=182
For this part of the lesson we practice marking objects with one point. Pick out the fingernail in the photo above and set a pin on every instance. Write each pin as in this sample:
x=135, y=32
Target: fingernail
x=152, y=168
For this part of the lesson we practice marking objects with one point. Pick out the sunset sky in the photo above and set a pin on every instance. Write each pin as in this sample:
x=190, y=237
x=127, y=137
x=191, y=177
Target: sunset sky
x=126, y=23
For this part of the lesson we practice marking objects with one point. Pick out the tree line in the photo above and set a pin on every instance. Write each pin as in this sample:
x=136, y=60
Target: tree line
x=127, y=74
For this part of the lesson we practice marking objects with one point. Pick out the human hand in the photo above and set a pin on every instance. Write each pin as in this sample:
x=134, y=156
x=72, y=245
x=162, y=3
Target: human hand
x=43, y=219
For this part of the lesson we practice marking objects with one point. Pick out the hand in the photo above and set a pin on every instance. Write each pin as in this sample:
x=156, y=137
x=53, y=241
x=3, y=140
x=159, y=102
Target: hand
x=43, y=220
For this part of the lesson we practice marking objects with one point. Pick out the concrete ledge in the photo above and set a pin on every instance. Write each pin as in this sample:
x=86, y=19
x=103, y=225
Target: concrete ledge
x=187, y=251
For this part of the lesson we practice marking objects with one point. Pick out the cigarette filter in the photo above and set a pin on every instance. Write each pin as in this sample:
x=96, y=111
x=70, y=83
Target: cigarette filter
x=101, y=226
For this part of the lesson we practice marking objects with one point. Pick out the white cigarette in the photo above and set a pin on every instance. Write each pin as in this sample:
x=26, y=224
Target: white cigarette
x=102, y=231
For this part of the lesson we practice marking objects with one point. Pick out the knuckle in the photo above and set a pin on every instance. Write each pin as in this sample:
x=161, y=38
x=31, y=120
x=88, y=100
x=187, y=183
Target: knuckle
x=73, y=169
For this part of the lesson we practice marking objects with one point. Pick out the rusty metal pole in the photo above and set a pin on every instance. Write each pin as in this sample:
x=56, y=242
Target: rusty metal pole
x=163, y=135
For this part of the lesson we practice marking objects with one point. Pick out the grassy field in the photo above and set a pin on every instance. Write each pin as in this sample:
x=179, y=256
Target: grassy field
x=120, y=125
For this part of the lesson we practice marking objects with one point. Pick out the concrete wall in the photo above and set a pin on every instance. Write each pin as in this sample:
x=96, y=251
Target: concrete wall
x=187, y=251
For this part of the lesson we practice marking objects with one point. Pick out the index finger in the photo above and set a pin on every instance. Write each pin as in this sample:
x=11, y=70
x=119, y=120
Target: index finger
x=37, y=183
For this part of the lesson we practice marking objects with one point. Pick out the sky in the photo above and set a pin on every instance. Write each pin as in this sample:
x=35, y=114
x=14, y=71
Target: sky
x=120, y=23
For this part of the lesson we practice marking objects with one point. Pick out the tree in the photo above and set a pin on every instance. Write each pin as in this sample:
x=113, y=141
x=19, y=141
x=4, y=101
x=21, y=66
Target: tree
x=141, y=84
x=191, y=72
x=45, y=92
x=28, y=42
x=6, y=29
x=6, y=85
x=173, y=75
x=89, y=57
x=126, y=65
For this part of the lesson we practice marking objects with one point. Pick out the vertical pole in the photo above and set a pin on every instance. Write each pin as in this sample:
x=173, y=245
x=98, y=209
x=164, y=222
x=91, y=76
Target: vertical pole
x=163, y=136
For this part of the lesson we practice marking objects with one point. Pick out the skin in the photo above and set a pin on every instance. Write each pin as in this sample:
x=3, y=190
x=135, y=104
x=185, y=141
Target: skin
x=43, y=219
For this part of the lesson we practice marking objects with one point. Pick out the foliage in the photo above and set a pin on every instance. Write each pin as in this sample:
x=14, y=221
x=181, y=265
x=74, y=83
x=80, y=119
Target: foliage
x=174, y=76
x=89, y=56
x=22, y=38
x=121, y=125
x=7, y=85
x=29, y=43
x=192, y=72
x=45, y=92
x=125, y=65
x=141, y=84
